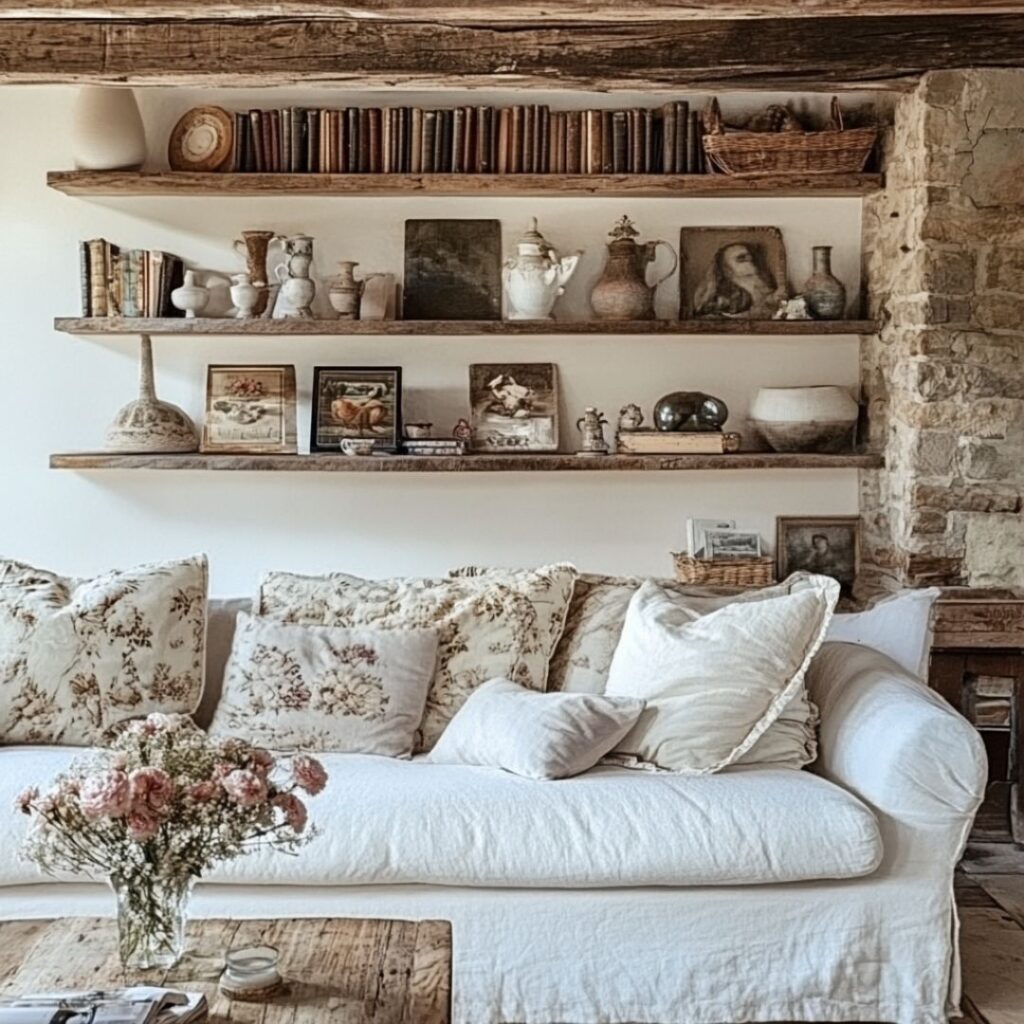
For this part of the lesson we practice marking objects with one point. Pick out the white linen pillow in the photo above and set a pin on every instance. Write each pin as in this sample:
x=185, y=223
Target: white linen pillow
x=537, y=735
x=900, y=626
x=714, y=683
x=353, y=691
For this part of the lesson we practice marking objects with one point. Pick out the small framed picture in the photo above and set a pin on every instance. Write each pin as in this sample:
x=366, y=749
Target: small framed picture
x=829, y=545
x=250, y=409
x=696, y=530
x=514, y=407
x=356, y=402
x=723, y=545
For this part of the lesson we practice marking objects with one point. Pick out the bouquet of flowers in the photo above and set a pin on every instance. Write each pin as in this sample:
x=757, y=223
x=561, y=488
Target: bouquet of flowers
x=158, y=808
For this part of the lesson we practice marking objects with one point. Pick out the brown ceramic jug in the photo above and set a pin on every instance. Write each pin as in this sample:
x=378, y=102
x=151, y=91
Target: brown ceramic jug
x=623, y=292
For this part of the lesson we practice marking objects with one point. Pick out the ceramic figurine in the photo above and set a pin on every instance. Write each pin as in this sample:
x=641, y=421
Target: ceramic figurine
x=805, y=419
x=297, y=288
x=462, y=431
x=536, y=276
x=107, y=133
x=793, y=309
x=190, y=297
x=253, y=245
x=345, y=291
x=825, y=294
x=591, y=427
x=690, y=411
x=631, y=418
x=244, y=295
x=623, y=292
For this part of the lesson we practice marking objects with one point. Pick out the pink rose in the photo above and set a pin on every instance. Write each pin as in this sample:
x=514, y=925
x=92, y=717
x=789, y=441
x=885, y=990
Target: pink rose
x=24, y=800
x=152, y=791
x=142, y=826
x=245, y=787
x=294, y=810
x=309, y=774
x=108, y=795
x=203, y=792
x=262, y=761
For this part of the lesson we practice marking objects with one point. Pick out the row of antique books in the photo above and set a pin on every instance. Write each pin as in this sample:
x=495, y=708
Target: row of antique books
x=127, y=282
x=528, y=139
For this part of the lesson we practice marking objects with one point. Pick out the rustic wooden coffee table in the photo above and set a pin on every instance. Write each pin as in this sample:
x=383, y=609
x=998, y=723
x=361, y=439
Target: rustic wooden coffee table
x=337, y=970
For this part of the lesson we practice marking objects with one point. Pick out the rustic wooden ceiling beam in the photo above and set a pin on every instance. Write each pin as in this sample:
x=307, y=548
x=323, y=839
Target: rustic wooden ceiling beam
x=822, y=53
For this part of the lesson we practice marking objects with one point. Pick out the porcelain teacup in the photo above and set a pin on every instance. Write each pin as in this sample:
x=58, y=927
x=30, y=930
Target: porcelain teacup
x=356, y=446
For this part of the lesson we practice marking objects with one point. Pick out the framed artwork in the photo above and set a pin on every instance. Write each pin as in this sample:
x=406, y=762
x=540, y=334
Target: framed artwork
x=452, y=270
x=250, y=409
x=829, y=545
x=733, y=273
x=356, y=402
x=723, y=545
x=514, y=407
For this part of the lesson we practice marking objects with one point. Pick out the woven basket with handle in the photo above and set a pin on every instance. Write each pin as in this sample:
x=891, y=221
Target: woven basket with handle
x=734, y=572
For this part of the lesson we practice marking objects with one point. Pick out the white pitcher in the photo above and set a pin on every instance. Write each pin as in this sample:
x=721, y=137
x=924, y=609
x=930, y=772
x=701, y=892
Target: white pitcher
x=536, y=276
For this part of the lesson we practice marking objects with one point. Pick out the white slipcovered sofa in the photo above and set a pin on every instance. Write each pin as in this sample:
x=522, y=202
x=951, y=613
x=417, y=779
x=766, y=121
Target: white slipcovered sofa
x=754, y=894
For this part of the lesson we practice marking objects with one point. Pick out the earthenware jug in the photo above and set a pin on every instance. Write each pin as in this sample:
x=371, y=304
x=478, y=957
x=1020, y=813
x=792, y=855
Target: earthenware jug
x=345, y=291
x=297, y=288
x=623, y=292
x=824, y=294
x=536, y=276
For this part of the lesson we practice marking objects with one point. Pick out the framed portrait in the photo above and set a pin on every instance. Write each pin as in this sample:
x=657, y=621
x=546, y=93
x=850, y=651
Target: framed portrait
x=514, y=407
x=250, y=409
x=829, y=545
x=356, y=402
x=731, y=273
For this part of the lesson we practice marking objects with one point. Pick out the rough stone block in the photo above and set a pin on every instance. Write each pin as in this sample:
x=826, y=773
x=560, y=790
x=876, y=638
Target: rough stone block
x=999, y=311
x=950, y=273
x=994, y=178
x=995, y=550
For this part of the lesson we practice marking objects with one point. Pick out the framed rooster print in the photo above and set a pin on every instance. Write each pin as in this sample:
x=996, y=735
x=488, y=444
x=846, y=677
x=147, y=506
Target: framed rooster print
x=356, y=402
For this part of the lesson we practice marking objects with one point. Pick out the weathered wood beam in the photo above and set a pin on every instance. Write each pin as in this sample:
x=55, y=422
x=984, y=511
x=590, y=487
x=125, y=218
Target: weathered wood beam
x=820, y=53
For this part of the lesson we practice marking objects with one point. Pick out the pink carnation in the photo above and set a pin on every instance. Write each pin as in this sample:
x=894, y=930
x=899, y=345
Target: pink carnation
x=309, y=774
x=142, y=826
x=203, y=792
x=152, y=791
x=262, y=761
x=24, y=800
x=294, y=810
x=108, y=795
x=245, y=787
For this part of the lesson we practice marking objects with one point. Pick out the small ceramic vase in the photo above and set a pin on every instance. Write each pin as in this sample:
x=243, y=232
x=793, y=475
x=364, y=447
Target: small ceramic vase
x=345, y=291
x=297, y=288
x=244, y=295
x=825, y=295
x=107, y=133
x=811, y=419
x=253, y=245
x=623, y=292
x=536, y=276
x=190, y=297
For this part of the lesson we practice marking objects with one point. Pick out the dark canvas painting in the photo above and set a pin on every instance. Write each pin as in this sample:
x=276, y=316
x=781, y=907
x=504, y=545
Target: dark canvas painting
x=452, y=270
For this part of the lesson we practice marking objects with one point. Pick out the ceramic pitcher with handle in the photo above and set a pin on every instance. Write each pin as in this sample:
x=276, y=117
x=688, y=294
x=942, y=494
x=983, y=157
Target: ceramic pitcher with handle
x=623, y=292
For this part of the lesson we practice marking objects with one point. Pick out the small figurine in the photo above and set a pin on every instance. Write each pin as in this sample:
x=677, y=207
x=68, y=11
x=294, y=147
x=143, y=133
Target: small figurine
x=793, y=309
x=630, y=418
x=591, y=426
x=462, y=431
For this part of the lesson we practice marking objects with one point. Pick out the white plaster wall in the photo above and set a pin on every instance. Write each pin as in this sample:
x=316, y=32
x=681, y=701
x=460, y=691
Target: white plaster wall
x=57, y=392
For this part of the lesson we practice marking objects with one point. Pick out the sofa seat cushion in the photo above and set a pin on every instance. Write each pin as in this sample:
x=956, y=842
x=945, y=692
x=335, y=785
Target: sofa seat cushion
x=391, y=821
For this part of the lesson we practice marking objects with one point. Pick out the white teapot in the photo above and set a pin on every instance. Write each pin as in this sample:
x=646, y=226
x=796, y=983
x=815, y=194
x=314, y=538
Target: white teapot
x=536, y=276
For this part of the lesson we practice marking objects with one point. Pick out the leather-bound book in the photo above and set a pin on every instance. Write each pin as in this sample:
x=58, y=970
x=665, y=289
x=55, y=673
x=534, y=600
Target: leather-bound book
x=620, y=143
x=668, y=138
x=312, y=140
x=526, y=165
x=606, y=142
x=384, y=162
x=98, y=260
x=402, y=145
x=484, y=144
x=636, y=142
x=256, y=130
x=458, y=137
x=572, y=141
x=594, y=141
x=469, y=141
x=416, y=141
x=236, y=143
x=538, y=139
x=429, y=132
x=298, y=127
x=515, y=144
x=275, y=141
x=267, y=127
x=371, y=151
x=647, y=131
x=443, y=142
x=364, y=140
x=504, y=165
x=286, y=139
x=682, y=131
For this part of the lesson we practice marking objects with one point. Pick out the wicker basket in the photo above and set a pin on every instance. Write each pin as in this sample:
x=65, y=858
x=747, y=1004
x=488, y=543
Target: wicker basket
x=836, y=150
x=735, y=572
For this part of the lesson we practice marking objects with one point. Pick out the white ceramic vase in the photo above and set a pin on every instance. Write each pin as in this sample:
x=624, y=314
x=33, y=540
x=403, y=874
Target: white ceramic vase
x=191, y=297
x=107, y=133
x=806, y=419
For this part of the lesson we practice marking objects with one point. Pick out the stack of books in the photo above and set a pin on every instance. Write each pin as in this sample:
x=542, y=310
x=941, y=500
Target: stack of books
x=434, y=446
x=522, y=139
x=128, y=282
x=141, y=1005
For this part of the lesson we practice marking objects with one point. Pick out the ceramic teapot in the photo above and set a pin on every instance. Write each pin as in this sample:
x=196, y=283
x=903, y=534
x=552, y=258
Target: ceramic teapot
x=536, y=276
x=623, y=292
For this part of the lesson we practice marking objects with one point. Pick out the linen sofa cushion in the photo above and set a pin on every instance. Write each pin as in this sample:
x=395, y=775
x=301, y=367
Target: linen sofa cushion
x=536, y=735
x=389, y=821
x=325, y=687
x=79, y=656
x=488, y=628
x=714, y=678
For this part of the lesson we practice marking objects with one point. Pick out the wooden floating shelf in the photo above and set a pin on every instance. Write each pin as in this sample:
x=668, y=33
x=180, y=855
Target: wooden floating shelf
x=463, y=464
x=101, y=326
x=640, y=186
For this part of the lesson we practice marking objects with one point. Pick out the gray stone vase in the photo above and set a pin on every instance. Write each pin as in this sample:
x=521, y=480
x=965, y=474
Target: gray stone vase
x=824, y=293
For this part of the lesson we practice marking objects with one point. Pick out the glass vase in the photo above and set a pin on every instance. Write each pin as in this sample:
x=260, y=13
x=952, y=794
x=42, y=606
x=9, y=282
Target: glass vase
x=151, y=914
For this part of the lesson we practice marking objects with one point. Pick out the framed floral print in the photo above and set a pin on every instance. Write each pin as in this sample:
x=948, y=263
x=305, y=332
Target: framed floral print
x=250, y=409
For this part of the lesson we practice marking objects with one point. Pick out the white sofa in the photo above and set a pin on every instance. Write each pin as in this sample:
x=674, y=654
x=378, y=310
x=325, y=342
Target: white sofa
x=750, y=895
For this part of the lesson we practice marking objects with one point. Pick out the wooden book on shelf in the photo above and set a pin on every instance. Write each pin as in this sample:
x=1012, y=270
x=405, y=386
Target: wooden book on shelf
x=661, y=442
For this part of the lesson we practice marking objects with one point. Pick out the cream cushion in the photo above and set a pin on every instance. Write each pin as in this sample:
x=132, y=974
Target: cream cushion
x=536, y=735
x=358, y=691
x=714, y=678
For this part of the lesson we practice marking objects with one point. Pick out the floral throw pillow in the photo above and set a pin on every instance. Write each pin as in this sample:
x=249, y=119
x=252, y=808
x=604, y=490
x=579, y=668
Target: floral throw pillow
x=355, y=691
x=496, y=626
x=79, y=656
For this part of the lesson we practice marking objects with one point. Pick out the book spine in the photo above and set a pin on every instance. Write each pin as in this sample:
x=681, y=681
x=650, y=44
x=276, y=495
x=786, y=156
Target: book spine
x=484, y=130
x=606, y=142
x=416, y=141
x=298, y=143
x=544, y=164
x=572, y=142
x=286, y=139
x=236, y=143
x=84, y=295
x=163, y=302
x=256, y=131
x=458, y=138
x=529, y=113
x=352, y=140
x=647, y=131
x=404, y=148
x=341, y=141
x=275, y=141
x=443, y=142
x=267, y=137
x=558, y=142
x=429, y=132
x=97, y=277
x=377, y=142
x=668, y=139
x=129, y=279
x=594, y=142
x=620, y=140
x=111, y=264
x=681, y=132
x=636, y=142
x=504, y=162
x=515, y=144
x=366, y=139
x=693, y=145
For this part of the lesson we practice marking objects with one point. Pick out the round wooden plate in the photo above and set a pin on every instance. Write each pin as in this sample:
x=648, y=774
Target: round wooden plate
x=201, y=140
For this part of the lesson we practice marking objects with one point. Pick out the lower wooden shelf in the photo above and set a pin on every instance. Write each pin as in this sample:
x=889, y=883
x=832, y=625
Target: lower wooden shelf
x=461, y=464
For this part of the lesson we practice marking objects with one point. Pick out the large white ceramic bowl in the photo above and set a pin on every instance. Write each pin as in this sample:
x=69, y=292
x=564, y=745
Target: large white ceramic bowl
x=805, y=419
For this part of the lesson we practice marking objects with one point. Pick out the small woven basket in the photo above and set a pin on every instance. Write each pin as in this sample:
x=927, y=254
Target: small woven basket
x=836, y=150
x=734, y=572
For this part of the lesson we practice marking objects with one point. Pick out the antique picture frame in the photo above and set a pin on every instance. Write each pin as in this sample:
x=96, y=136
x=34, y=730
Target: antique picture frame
x=828, y=545
x=355, y=402
x=249, y=409
x=514, y=407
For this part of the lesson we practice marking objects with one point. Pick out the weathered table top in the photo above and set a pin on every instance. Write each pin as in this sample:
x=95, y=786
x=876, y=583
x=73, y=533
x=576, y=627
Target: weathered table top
x=338, y=970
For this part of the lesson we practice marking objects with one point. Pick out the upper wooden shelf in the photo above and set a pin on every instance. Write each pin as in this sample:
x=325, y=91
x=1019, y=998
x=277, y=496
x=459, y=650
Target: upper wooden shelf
x=101, y=326
x=653, y=186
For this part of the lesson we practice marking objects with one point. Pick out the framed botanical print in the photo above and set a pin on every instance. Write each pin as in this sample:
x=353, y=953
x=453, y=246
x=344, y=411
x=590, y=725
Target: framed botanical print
x=356, y=402
x=829, y=545
x=514, y=407
x=250, y=409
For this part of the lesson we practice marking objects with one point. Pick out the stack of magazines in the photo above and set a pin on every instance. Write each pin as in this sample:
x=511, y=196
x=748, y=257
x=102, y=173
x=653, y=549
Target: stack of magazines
x=140, y=1005
x=431, y=446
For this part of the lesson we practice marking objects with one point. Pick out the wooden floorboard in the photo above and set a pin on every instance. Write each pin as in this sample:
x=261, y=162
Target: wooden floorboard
x=992, y=948
x=1007, y=891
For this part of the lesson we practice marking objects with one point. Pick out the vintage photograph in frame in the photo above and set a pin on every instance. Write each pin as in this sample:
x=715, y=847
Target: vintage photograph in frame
x=250, y=409
x=514, y=407
x=828, y=545
x=452, y=270
x=731, y=273
x=356, y=402
x=723, y=545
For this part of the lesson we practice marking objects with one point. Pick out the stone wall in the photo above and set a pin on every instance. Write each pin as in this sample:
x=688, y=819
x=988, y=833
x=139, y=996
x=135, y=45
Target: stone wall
x=943, y=382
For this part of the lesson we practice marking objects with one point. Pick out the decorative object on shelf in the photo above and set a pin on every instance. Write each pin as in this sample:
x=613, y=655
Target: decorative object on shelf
x=419, y=430
x=356, y=445
x=736, y=273
x=250, y=409
x=253, y=245
x=662, y=442
x=739, y=573
x=127, y=283
x=362, y=402
x=805, y=419
x=514, y=407
x=623, y=292
x=378, y=298
x=202, y=140
x=697, y=530
x=591, y=427
x=435, y=447
x=147, y=424
x=140, y=811
x=452, y=270
x=536, y=276
x=731, y=544
x=793, y=309
x=829, y=545
x=107, y=133
x=244, y=295
x=297, y=287
x=690, y=411
x=825, y=294
x=190, y=297
x=251, y=974
x=345, y=291
x=631, y=418
x=462, y=431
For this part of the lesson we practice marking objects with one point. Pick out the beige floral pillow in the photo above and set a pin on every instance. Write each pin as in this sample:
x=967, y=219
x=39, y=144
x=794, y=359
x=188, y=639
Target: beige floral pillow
x=499, y=626
x=79, y=656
